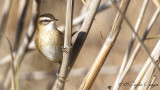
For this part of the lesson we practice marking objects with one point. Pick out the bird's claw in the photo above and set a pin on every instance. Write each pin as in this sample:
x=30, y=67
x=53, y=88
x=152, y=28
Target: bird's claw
x=65, y=49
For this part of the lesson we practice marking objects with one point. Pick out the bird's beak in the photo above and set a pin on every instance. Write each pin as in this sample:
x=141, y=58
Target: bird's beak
x=56, y=19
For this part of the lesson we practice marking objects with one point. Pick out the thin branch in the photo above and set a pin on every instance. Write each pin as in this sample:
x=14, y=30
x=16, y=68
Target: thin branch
x=140, y=40
x=154, y=37
x=94, y=70
x=12, y=66
x=5, y=15
x=23, y=5
x=79, y=19
x=27, y=39
x=99, y=30
x=84, y=3
x=83, y=11
x=6, y=59
x=147, y=77
x=60, y=82
x=98, y=25
x=139, y=20
x=84, y=8
x=152, y=82
x=150, y=70
x=12, y=63
x=155, y=54
x=156, y=2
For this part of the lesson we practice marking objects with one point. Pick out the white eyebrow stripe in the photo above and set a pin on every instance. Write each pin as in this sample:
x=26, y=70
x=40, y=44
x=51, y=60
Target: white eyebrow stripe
x=45, y=18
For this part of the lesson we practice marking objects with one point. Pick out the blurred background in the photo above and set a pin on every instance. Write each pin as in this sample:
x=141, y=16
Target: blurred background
x=34, y=62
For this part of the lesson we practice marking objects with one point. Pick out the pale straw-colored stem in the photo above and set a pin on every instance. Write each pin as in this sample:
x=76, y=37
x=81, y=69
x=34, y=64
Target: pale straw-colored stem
x=5, y=14
x=27, y=39
x=124, y=62
x=141, y=43
x=109, y=42
x=22, y=9
x=149, y=68
x=60, y=81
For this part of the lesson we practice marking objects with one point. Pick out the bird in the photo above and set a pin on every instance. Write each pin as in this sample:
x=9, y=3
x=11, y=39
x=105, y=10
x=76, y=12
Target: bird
x=49, y=40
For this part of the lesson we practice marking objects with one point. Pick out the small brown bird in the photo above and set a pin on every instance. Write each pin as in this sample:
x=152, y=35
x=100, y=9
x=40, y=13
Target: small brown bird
x=49, y=40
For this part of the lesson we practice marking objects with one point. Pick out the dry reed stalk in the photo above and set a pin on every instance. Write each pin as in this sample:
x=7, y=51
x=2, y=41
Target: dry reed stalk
x=155, y=52
x=13, y=87
x=96, y=66
x=140, y=41
x=152, y=82
x=156, y=2
x=60, y=81
x=79, y=19
x=124, y=62
x=139, y=45
x=151, y=68
x=27, y=39
x=13, y=83
x=5, y=15
x=22, y=9
x=147, y=76
x=81, y=35
x=83, y=11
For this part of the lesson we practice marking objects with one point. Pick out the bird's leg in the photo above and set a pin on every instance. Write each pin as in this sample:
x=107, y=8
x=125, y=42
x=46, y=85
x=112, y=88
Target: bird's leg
x=64, y=49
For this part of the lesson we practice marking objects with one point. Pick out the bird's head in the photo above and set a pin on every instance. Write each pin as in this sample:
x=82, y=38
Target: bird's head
x=47, y=21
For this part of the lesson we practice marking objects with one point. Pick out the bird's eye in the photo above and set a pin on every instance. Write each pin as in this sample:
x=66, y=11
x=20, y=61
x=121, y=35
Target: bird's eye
x=47, y=20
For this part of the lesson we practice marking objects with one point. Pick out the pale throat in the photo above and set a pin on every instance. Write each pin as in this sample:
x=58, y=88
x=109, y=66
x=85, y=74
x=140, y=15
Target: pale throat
x=51, y=26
